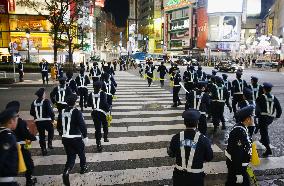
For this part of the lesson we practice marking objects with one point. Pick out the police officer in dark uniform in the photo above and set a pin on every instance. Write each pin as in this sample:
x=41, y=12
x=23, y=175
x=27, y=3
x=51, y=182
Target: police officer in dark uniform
x=58, y=97
x=98, y=101
x=176, y=78
x=71, y=83
x=74, y=137
x=82, y=66
x=200, y=74
x=238, y=86
x=191, y=149
x=227, y=83
x=44, y=66
x=219, y=97
x=44, y=117
x=8, y=147
x=95, y=72
x=163, y=71
x=266, y=107
x=257, y=89
x=238, y=151
x=199, y=99
x=24, y=137
x=82, y=82
x=21, y=71
x=108, y=87
x=189, y=78
x=150, y=72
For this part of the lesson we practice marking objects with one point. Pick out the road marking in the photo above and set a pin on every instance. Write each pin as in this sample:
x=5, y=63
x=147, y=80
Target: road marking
x=142, y=112
x=4, y=88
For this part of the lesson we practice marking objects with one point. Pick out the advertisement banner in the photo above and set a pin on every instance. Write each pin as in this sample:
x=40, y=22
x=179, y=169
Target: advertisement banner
x=270, y=27
x=224, y=28
x=222, y=6
x=166, y=29
x=202, y=27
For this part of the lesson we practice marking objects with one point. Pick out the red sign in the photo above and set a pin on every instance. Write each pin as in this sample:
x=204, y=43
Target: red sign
x=166, y=25
x=11, y=6
x=202, y=28
x=100, y=3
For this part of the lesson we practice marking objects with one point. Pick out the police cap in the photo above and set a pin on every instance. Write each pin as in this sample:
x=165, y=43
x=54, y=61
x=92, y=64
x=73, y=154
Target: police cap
x=201, y=84
x=105, y=76
x=40, y=92
x=191, y=67
x=7, y=114
x=244, y=113
x=218, y=79
x=267, y=85
x=62, y=79
x=248, y=93
x=71, y=99
x=191, y=116
x=214, y=72
x=97, y=85
x=253, y=78
x=239, y=73
x=13, y=104
x=224, y=76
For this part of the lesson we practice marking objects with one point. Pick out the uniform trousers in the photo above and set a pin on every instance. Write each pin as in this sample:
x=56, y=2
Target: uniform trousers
x=183, y=178
x=150, y=78
x=44, y=75
x=263, y=123
x=162, y=81
x=83, y=93
x=28, y=161
x=237, y=98
x=231, y=176
x=72, y=147
x=43, y=126
x=21, y=75
x=217, y=111
x=176, y=90
x=202, y=125
x=99, y=119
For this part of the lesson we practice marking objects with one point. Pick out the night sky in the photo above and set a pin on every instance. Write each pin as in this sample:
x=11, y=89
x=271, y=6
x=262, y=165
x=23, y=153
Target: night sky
x=119, y=9
x=266, y=4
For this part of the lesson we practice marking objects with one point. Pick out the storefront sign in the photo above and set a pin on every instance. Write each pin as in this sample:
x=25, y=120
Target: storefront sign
x=270, y=27
x=166, y=29
x=11, y=6
x=172, y=4
x=202, y=28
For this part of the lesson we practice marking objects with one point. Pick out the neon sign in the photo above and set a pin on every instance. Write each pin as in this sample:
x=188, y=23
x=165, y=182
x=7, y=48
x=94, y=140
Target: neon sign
x=176, y=2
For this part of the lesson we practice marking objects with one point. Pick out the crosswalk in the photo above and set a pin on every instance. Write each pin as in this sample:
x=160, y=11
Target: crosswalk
x=143, y=124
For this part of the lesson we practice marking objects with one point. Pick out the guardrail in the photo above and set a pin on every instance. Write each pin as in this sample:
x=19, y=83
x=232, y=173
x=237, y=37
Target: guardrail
x=4, y=73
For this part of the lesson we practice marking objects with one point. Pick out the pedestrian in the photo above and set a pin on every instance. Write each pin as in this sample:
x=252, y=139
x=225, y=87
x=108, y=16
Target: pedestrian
x=44, y=66
x=44, y=118
x=74, y=137
x=108, y=87
x=8, y=148
x=176, y=78
x=163, y=71
x=227, y=83
x=60, y=71
x=257, y=89
x=95, y=72
x=200, y=74
x=82, y=82
x=191, y=149
x=114, y=64
x=120, y=64
x=189, y=78
x=82, y=66
x=24, y=138
x=98, y=101
x=267, y=109
x=71, y=83
x=238, y=86
x=214, y=72
x=88, y=66
x=141, y=69
x=199, y=99
x=21, y=71
x=238, y=151
x=219, y=97
x=150, y=72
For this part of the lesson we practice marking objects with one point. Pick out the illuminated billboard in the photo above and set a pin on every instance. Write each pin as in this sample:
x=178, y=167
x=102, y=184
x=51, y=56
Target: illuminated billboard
x=253, y=7
x=224, y=28
x=223, y=6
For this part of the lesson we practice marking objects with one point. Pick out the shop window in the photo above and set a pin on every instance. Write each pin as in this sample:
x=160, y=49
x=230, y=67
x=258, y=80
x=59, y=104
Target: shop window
x=35, y=23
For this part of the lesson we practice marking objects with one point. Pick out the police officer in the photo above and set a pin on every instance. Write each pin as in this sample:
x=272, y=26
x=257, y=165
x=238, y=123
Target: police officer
x=191, y=149
x=58, y=96
x=266, y=107
x=238, y=151
x=74, y=137
x=108, y=87
x=21, y=71
x=199, y=99
x=71, y=83
x=227, y=83
x=257, y=89
x=43, y=114
x=44, y=66
x=219, y=96
x=189, y=78
x=60, y=71
x=8, y=147
x=24, y=137
x=176, y=78
x=200, y=74
x=238, y=86
x=214, y=72
x=150, y=72
x=95, y=72
x=82, y=82
x=163, y=71
x=82, y=66
x=98, y=101
x=114, y=64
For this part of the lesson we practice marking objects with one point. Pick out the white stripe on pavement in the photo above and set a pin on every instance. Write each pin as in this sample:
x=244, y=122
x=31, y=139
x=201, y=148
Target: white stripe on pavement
x=145, y=96
x=143, y=90
x=148, y=92
x=140, y=103
x=134, y=113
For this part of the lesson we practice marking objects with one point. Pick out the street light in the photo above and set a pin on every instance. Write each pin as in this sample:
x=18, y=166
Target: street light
x=28, y=39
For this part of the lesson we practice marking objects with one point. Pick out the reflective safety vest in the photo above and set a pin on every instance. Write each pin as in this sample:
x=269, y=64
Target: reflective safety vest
x=82, y=82
x=240, y=86
x=255, y=92
x=269, y=106
x=95, y=72
x=220, y=93
x=44, y=67
x=66, y=121
x=226, y=84
x=96, y=102
x=197, y=101
x=61, y=95
x=108, y=88
x=38, y=110
x=186, y=166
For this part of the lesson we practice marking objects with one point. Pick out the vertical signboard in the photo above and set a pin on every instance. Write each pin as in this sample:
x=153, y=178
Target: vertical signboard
x=11, y=6
x=270, y=27
x=166, y=25
x=202, y=27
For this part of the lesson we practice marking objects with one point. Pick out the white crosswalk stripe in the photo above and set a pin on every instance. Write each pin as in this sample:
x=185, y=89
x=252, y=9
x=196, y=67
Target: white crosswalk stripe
x=143, y=125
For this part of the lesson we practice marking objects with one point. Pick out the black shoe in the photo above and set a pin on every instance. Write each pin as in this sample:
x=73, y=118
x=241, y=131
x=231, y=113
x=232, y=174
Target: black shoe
x=174, y=105
x=66, y=181
x=223, y=126
x=50, y=146
x=179, y=103
x=267, y=153
x=215, y=129
x=84, y=170
x=44, y=152
x=99, y=148
x=106, y=140
x=31, y=182
x=85, y=105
